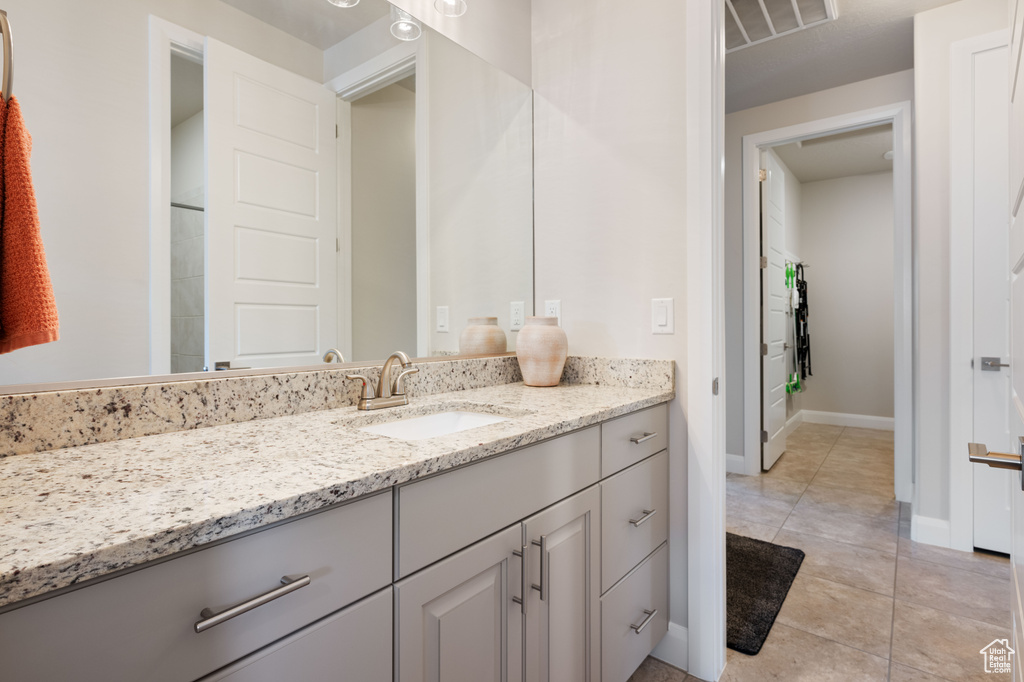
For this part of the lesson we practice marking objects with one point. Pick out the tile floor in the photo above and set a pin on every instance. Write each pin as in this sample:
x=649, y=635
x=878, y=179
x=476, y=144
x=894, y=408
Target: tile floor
x=868, y=603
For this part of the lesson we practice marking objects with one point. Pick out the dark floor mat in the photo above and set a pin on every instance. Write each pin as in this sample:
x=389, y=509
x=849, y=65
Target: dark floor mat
x=758, y=577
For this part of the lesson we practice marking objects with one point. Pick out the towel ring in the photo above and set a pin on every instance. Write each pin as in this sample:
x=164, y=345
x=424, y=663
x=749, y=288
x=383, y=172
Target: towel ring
x=7, y=83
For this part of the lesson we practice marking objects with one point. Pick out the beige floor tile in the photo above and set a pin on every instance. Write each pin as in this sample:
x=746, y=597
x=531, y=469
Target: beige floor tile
x=826, y=432
x=976, y=562
x=653, y=670
x=766, y=486
x=956, y=591
x=747, y=529
x=902, y=673
x=797, y=465
x=858, y=433
x=757, y=509
x=906, y=512
x=851, y=501
x=843, y=614
x=851, y=565
x=853, y=529
x=943, y=644
x=868, y=477
x=862, y=453
x=791, y=655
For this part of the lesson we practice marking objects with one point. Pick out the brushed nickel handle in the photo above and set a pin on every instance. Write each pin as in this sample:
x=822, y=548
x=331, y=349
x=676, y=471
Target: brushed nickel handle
x=979, y=454
x=992, y=364
x=289, y=583
x=399, y=385
x=543, y=587
x=648, y=513
x=636, y=440
x=524, y=555
x=650, y=616
x=367, y=392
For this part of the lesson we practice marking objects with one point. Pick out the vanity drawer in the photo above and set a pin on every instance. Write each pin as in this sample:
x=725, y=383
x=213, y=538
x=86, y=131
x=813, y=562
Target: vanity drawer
x=625, y=497
x=628, y=605
x=139, y=626
x=631, y=438
x=345, y=645
x=443, y=514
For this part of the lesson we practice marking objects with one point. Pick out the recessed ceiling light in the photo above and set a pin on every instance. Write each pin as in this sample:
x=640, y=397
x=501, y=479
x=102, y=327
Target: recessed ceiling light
x=344, y=3
x=404, y=26
x=450, y=8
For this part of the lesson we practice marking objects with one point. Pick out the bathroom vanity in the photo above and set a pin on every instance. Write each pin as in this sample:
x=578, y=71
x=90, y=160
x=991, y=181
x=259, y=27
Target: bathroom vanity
x=530, y=549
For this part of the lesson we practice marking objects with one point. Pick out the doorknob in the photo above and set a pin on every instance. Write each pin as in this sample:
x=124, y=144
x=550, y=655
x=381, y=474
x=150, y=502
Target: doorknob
x=979, y=454
x=992, y=364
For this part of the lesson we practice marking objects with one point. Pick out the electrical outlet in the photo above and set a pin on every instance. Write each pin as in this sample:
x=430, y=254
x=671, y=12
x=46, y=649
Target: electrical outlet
x=517, y=315
x=553, y=309
x=442, y=319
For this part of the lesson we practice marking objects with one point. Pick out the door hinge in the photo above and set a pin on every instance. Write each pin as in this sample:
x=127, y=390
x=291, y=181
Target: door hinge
x=762, y=175
x=764, y=349
x=764, y=262
x=764, y=436
x=714, y=387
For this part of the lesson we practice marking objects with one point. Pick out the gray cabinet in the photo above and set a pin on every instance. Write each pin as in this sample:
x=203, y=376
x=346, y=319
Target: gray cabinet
x=562, y=619
x=457, y=621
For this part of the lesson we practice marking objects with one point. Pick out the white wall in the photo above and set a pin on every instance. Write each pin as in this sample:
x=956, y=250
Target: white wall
x=897, y=87
x=848, y=242
x=934, y=33
x=610, y=117
x=82, y=80
x=480, y=189
x=383, y=223
x=188, y=169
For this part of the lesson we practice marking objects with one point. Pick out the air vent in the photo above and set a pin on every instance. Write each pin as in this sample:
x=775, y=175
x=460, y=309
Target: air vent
x=749, y=22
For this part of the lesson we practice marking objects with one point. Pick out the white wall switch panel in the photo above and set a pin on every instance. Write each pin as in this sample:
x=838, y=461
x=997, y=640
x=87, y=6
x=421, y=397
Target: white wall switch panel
x=553, y=309
x=662, y=316
x=442, y=318
x=517, y=315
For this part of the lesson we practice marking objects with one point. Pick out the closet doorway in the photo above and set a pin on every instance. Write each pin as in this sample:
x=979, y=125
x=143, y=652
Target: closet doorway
x=768, y=407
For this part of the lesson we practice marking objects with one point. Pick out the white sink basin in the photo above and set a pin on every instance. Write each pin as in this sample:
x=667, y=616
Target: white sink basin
x=433, y=425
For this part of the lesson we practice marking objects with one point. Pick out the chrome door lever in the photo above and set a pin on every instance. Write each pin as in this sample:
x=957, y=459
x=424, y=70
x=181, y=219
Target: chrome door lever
x=979, y=454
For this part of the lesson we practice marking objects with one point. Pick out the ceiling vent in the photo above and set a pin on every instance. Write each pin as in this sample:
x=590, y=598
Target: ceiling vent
x=749, y=22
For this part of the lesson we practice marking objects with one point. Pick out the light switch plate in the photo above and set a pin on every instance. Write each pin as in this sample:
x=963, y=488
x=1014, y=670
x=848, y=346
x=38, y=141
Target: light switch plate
x=553, y=309
x=662, y=316
x=442, y=319
x=517, y=315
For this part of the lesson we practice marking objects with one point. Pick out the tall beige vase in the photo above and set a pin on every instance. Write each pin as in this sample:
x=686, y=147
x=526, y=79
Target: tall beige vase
x=541, y=349
x=482, y=336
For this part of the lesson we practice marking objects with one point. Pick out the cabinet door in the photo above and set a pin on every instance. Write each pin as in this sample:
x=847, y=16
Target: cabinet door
x=456, y=621
x=562, y=608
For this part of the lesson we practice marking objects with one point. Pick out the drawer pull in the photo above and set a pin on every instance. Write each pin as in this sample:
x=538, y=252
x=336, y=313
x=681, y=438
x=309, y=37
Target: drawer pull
x=648, y=513
x=523, y=574
x=636, y=440
x=289, y=583
x=542, y=588
x=650, y=616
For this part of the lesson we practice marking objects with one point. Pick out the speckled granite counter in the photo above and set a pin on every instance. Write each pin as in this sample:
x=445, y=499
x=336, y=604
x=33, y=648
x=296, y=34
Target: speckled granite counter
x=71, y=515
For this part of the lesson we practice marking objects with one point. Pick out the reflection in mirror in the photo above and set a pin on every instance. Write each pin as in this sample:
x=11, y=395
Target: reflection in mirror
x=250, y=183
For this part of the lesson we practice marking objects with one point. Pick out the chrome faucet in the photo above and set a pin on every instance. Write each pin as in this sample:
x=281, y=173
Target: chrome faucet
x=389, y=393
x=334, y=355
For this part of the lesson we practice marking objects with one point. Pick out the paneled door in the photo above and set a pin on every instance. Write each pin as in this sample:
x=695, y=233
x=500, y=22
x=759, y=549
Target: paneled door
x=271, y=213
x=774, y=297
x=563, y=632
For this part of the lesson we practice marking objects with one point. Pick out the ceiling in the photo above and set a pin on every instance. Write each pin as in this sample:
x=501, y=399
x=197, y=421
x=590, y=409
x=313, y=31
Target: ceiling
x=869, y=38
x=316, y=22
x=838, y=156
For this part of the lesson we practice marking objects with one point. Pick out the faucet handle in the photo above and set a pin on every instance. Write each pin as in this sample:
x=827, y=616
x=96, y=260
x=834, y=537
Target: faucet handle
x=399, y=385
x=367, y=392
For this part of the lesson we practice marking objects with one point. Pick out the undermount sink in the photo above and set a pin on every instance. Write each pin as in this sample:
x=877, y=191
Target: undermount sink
x=433, y=425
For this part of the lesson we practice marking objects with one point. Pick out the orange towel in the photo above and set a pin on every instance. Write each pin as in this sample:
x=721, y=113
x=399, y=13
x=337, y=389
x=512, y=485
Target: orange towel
x=28, y=310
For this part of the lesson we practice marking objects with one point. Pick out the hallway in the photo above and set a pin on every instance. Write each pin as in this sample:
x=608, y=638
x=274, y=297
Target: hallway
x=867, y=603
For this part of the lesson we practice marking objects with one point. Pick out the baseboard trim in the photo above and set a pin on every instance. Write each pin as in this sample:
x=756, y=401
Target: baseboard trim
x=929, y=530
x=735, y=464
x=674, y=647
x=862, y=421
x=793, y=422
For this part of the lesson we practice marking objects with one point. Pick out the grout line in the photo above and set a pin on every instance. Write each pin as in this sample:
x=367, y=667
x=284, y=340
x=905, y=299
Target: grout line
x=895, y=577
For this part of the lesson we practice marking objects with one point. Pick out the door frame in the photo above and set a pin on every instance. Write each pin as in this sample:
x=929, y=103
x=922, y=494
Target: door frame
x=899, y=115
x=961, y=306
x=165, y=38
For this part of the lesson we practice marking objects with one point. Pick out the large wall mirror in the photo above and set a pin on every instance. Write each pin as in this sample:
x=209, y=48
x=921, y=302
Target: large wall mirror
x=250, y=183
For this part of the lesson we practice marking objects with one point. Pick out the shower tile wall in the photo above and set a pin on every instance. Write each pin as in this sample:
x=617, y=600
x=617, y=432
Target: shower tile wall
x=187, y=287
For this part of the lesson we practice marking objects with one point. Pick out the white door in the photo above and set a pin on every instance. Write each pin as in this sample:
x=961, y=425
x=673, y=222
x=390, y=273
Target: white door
x=271, y=213
x=980, y=198
x=774, y=297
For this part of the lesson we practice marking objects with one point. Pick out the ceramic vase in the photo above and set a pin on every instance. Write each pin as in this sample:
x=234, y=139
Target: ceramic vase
x=482, y=336
x=541, y=349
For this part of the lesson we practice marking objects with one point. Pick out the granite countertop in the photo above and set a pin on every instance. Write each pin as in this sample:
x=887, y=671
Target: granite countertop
x=70, y=515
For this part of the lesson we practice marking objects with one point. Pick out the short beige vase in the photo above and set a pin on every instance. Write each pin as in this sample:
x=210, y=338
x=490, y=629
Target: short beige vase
x=542, y=348
x=482, y=336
